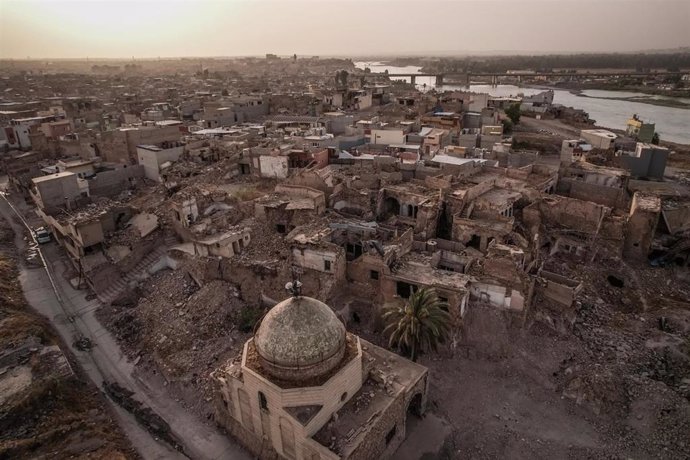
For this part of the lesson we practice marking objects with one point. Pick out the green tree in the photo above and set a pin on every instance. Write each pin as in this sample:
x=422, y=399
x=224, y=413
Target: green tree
x=507, y=126
x=513, y=112
x=419, y=325
x=655, y=139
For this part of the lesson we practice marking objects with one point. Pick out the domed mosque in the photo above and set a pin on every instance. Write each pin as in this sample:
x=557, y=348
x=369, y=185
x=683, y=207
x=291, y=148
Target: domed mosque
x=305, y=388
x=299, y=339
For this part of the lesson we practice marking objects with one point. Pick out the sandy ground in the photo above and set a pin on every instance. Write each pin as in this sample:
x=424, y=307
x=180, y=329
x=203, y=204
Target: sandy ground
x=554, y=126
x=501, y=393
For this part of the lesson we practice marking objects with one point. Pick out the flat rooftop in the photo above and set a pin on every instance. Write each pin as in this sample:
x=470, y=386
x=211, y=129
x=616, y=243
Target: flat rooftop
x=608, y=170
x=411, y=188
x=372, y=401
x=600, y=132
x=498, y=196
x=74, y=163
x=209, y=131
x=37, y=180
x=450, y=160
x=415, y=268
x=405, y=146
x=649, y=203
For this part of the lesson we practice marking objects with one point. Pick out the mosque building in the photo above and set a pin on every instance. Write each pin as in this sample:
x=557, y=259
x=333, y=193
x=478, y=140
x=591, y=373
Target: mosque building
x=305, y=388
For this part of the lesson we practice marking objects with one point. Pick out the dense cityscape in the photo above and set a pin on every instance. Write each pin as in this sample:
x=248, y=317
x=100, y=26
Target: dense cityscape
x=294, y=256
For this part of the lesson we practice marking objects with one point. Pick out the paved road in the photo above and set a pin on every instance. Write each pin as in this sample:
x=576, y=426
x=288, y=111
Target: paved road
x=68, y=310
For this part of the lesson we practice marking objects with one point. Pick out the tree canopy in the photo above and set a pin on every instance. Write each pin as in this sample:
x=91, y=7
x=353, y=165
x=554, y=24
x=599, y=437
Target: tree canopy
x=513, y=112
x=419, y=325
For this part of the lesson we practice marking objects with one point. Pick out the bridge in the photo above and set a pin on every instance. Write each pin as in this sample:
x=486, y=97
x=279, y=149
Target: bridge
x=465, y=78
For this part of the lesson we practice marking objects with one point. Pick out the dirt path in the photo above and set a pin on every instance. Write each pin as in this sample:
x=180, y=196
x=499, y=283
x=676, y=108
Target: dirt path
x=554, y=126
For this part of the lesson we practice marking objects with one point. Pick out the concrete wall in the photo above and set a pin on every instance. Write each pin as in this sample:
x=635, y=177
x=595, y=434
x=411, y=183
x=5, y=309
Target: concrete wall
x=151, y=136
x=359, y=273
x=644, y=216
x=120, y=146
x=222, y=246
x=113, y=182
x=558, y=288
x=497, y=295
x=297, y=191
x=273, y=166
x=612, y=197
x=597, y=141
x=318, y=278
x=647, y=162
x=152, y=160
x=316, y=259
x=387, y=136
x=580, y=215
x=89, y=233
x=59, y=192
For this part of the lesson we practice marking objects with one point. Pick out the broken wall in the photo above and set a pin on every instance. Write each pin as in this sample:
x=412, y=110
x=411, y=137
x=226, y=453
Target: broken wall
x=584, y=216
x=612, y=197
x=641, y=226
x=558, y=288
x=113, y=182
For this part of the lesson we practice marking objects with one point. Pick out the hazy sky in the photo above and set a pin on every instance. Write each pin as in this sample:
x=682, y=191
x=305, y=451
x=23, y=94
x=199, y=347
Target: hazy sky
x=147, y=28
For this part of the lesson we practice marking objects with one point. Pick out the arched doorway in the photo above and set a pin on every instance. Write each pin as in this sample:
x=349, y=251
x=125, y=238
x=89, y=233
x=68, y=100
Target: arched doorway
x=391, y=206
x=415, y=406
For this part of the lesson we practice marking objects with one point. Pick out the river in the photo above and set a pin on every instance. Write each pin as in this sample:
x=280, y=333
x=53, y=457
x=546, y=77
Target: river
x=672, y=123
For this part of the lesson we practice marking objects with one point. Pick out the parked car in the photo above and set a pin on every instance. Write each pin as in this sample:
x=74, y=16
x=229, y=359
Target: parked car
x=42, y=235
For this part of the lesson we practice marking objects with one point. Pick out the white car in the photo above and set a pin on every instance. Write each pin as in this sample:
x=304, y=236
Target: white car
x=42, y=235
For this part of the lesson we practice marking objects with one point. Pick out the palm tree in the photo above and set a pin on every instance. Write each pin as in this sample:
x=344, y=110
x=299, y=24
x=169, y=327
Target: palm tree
x=419, y=325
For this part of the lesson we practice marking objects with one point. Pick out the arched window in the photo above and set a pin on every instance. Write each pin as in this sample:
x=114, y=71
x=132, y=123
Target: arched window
x=263, y=403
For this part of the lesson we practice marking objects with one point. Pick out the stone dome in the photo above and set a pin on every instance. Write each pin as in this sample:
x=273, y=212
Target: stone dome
x=300, y=338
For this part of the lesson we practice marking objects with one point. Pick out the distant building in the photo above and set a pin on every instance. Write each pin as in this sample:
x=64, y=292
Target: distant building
x=643, y=132
x=647, y=161
x=599, y=138
x=18, y=134
x=155, y=158
x=574, y=150
x=120, y=145
x=543, y=98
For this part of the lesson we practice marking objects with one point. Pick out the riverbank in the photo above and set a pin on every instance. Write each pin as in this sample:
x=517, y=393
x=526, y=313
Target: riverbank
x=644, y=98
x=682, y=93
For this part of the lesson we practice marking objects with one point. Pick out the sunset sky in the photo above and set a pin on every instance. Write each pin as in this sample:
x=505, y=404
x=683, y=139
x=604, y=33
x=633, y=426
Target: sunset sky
x=75, y=29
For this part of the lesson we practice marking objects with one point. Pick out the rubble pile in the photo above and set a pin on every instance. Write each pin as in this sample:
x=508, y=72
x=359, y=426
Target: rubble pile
x=561, y=255
x=626, y=369
x=265, y=245
x=182, y=331
x=177, y=319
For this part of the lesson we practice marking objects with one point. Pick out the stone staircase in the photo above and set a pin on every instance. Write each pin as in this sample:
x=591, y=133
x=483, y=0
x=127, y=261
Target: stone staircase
x=467, y=211
x=141, y=271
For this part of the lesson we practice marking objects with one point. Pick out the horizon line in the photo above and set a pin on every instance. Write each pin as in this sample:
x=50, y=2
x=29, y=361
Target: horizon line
x=420, y=54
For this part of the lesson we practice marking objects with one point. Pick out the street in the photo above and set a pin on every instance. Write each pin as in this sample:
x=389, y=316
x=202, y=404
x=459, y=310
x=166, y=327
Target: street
x=51, y=295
